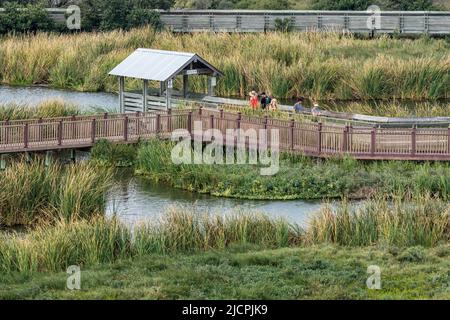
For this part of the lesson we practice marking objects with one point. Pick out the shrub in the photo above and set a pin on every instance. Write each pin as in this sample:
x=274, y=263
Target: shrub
x=28, y=18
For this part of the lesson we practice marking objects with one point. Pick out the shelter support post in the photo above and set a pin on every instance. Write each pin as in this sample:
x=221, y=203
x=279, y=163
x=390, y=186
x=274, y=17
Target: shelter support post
x=169, y=85
x=185, y=85
x=161, y=88
x=211, y=86
x=144, y=96
x=121, y=92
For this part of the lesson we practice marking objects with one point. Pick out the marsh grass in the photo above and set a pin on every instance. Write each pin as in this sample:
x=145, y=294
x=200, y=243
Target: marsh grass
x=317, y=65
x=32, y=192
x=105, y=240
x=379, y=222
x=422, y=220
x=299, y=177
x=45, y=109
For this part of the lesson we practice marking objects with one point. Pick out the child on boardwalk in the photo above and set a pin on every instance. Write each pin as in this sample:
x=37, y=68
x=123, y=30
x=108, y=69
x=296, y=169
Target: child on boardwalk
x=273, y=105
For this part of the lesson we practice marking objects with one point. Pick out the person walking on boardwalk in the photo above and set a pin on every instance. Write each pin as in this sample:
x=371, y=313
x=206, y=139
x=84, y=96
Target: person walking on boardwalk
x=273, y=105
x=263, y=101
x=298, y=106
x=269, y=98
x=254, y=100
x=315, y=110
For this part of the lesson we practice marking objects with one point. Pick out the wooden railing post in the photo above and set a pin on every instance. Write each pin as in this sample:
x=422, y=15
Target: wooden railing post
x=189, y=122
x=6, y=131
x=238, y=124
x=448, y=140
x=158, y=123
x=125, y=128
x=40, y=129
x=266, y=120
x=413, y=141
x=345, y=139
x=105, y=117
x=25, y=135
x=211, y=121
x=291, y=133
x=74, y=132
x=319, y=138
x=138, y=123
x=200, y=111
x=169, y=120
x=60, y=132
x=373, y=141
x=93, y=129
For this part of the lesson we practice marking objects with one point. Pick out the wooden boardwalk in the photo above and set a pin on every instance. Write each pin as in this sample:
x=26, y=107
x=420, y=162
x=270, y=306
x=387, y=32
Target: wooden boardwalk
x=313, y=139
x=390, y=22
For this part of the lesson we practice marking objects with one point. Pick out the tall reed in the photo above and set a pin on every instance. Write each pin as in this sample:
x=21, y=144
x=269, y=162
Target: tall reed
x=105, y=240
x=313, y=64
x=423, y=221
x=45, y=109
x=32, y=192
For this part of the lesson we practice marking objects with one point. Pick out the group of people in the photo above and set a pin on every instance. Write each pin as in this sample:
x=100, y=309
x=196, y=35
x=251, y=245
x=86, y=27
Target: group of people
x=266, y=101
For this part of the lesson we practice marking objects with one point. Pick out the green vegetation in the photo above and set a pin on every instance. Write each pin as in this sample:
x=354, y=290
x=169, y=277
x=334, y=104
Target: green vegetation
x=33, y=193
x=116, y=155
x=30, y=16
x=299, y=177
x=121, y=14
x=45, y=109
x=402, y=5
x=316, y=5
x=25, y=18
x=315, y=65
x=317, y=272
x=417, y=222
x=242, y=256
x=423, y=220
x=105, y=240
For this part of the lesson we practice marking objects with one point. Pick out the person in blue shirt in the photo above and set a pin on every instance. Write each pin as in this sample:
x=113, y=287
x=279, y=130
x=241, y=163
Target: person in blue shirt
x=298, y=106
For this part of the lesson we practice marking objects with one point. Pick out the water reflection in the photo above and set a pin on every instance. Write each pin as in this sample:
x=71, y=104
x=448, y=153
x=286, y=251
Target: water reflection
x=136, y=198
x=86, y=101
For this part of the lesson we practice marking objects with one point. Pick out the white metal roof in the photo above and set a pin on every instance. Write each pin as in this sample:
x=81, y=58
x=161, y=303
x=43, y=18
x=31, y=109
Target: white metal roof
x=157, y=65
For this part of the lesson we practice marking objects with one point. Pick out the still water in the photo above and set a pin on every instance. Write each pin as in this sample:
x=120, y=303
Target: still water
x=86, y=101
x=135, y=199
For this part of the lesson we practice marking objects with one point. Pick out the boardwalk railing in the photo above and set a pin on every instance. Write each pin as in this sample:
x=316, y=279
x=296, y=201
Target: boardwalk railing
x=406, y=22
x=313, y=139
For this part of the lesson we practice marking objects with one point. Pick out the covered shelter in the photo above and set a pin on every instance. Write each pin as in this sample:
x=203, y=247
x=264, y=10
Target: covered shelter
x=163, y=67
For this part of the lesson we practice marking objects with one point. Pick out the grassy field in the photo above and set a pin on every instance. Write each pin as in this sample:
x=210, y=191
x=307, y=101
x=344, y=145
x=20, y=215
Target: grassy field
x=315, y=65
x=298, y=178
x=318, y=272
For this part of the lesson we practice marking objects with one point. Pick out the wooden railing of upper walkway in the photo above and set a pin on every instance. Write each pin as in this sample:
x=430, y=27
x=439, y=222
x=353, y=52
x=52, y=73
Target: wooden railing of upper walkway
x=309, y=138
x=390, y=22
x=387, y=22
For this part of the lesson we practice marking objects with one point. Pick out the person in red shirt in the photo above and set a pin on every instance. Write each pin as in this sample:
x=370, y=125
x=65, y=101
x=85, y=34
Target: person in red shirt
x=254, y=100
